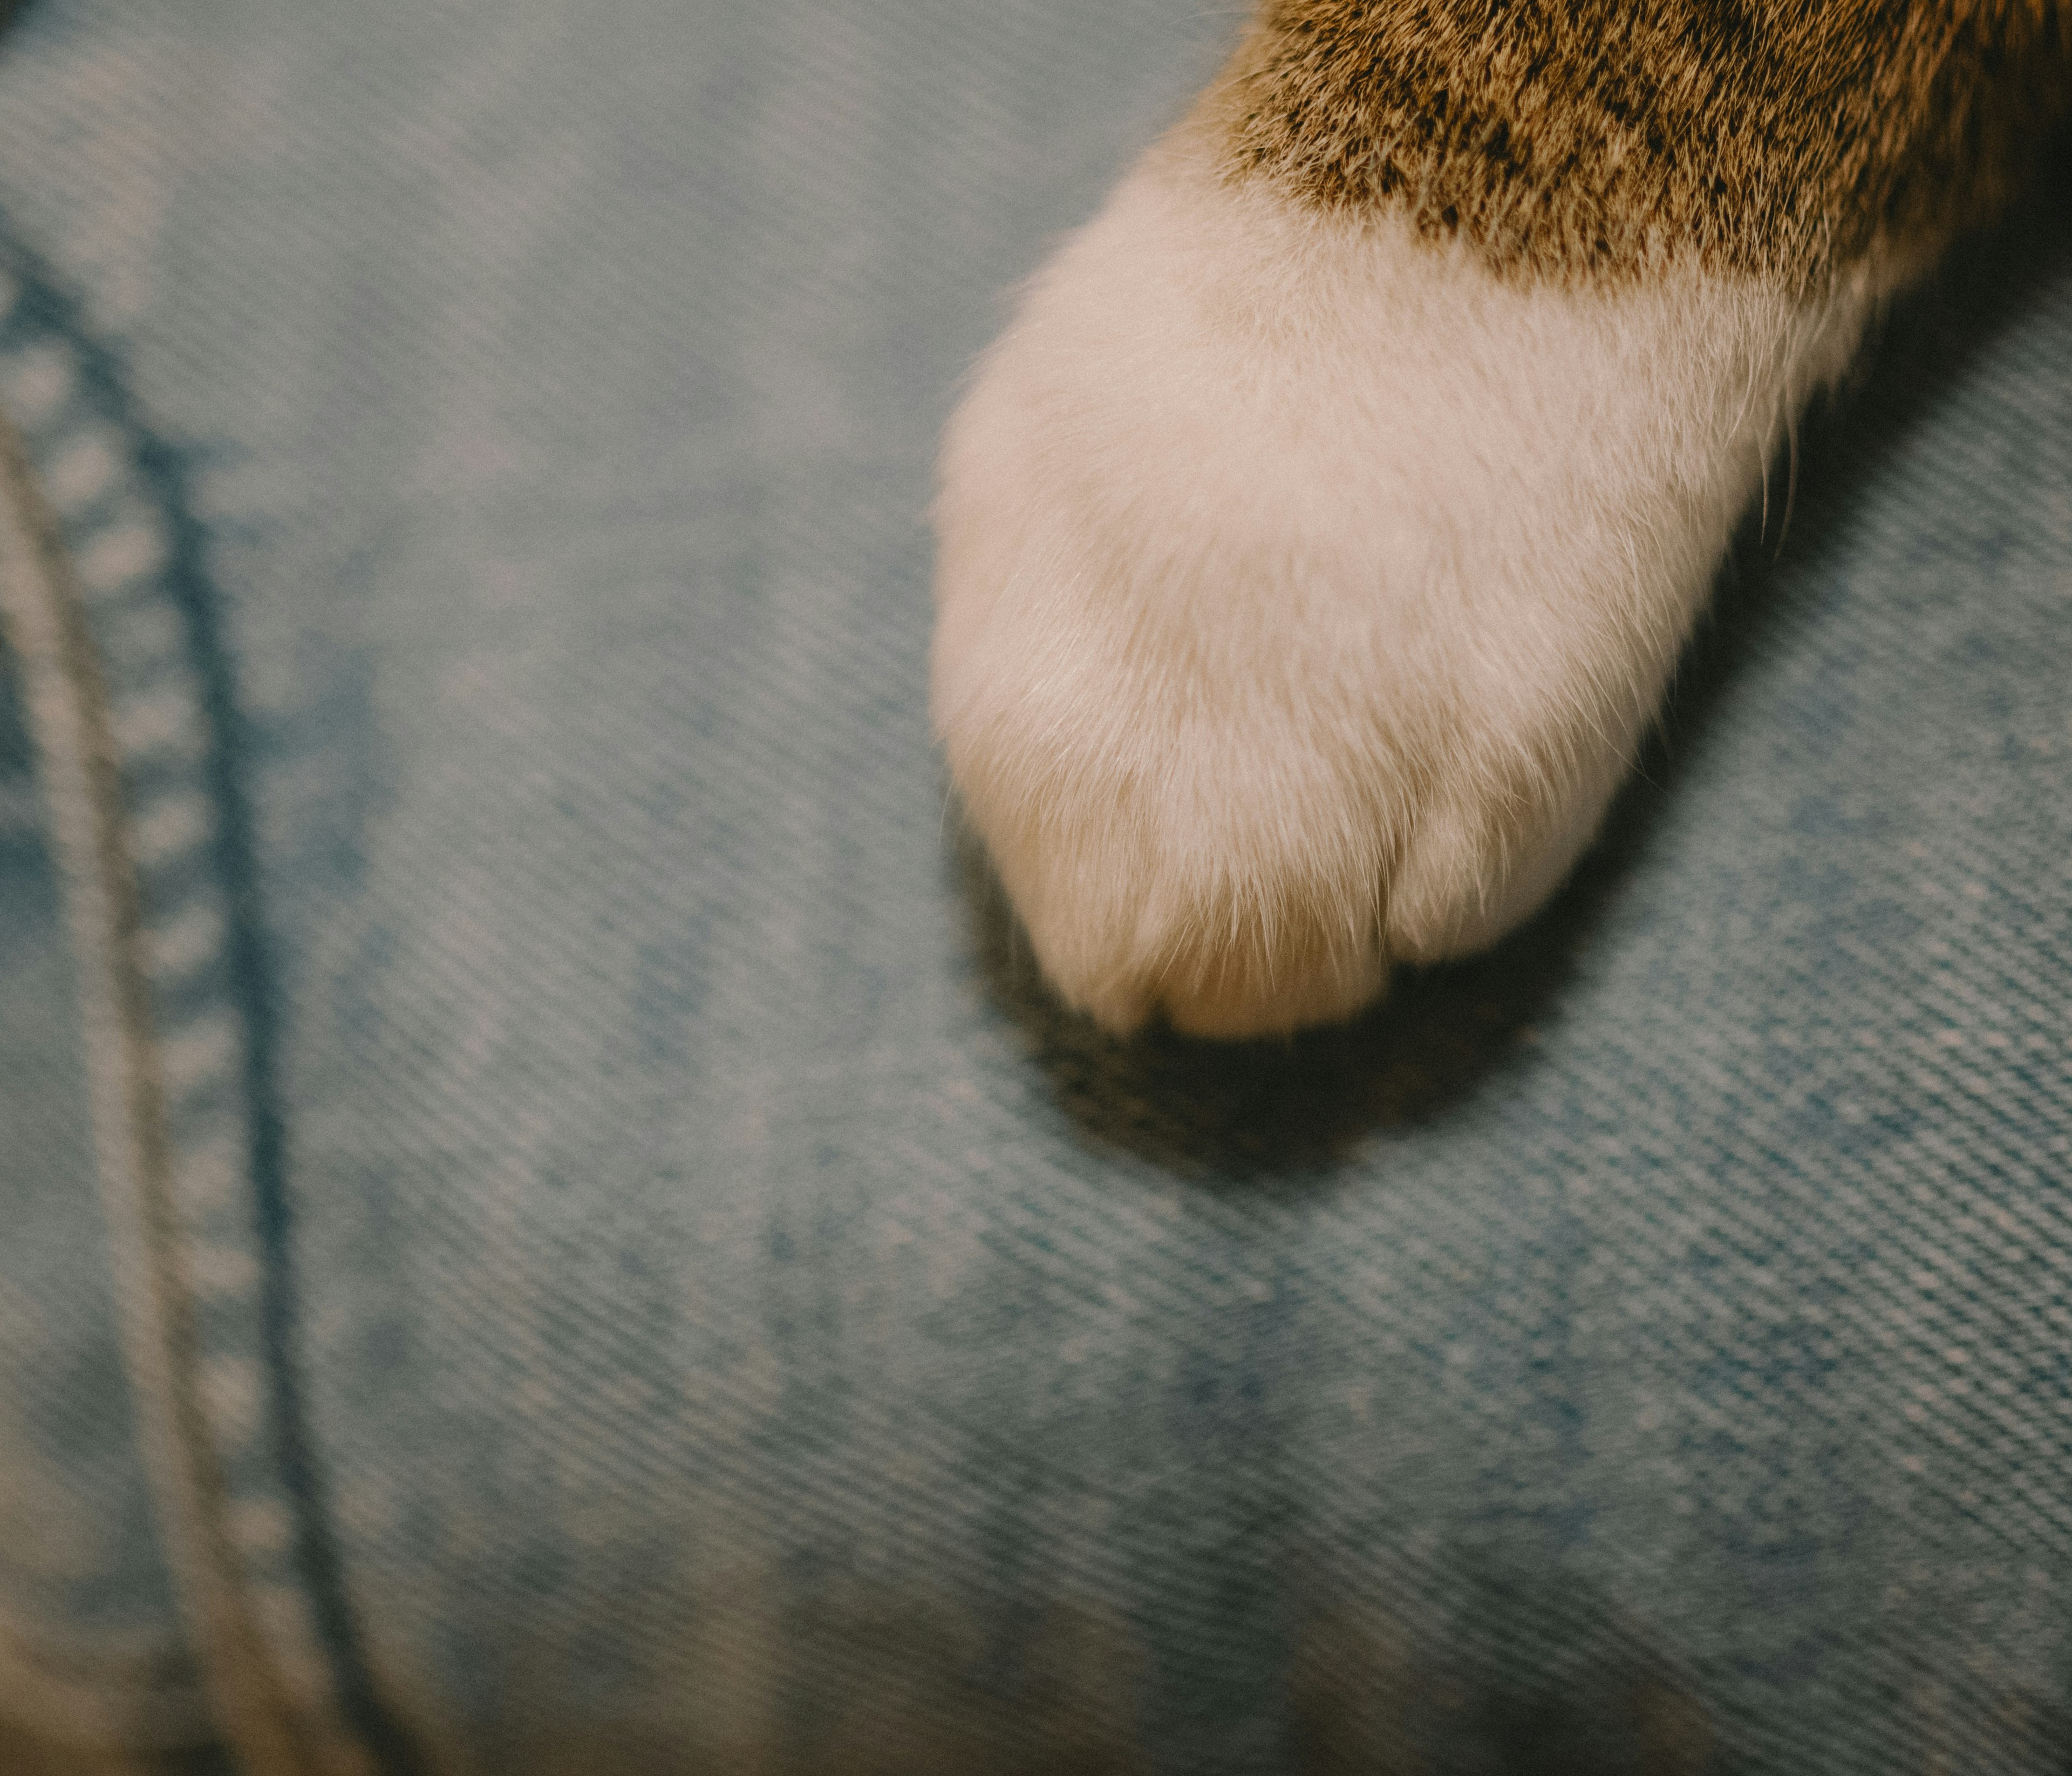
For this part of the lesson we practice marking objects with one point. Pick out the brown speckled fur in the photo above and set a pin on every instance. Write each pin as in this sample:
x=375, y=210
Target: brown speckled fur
x=1589, y=139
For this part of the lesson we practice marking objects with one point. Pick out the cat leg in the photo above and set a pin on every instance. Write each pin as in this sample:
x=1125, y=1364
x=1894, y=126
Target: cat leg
x=1308, y=573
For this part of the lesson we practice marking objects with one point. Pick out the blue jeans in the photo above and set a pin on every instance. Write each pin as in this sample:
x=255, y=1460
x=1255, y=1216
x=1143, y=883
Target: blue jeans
x=546, y=1223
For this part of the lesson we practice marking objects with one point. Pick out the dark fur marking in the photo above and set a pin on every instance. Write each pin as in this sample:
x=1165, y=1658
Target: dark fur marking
x=1786, y=138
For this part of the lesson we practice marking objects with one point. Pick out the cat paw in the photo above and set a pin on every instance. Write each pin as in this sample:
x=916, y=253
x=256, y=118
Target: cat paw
x=1304, y=589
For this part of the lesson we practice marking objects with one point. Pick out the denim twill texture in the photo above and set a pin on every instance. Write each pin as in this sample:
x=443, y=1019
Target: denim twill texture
x=549, y=1225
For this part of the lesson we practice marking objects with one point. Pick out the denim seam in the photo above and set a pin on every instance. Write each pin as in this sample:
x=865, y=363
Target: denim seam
x=133, y=751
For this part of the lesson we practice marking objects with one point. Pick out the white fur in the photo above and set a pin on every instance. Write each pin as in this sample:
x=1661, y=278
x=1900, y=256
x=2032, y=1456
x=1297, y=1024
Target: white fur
x=1303, y=591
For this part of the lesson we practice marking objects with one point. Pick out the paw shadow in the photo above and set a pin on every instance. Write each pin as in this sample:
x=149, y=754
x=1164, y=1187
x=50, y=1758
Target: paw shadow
x=1278, y=1111
x=1281, y=1113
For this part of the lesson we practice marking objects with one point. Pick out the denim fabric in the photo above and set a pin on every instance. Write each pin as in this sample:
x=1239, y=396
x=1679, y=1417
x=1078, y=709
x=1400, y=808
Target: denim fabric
x=558, y=1231
x=92, y=1647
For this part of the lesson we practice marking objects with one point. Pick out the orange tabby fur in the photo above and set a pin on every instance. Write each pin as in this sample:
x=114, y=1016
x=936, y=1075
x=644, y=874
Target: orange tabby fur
x=1595, y=138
